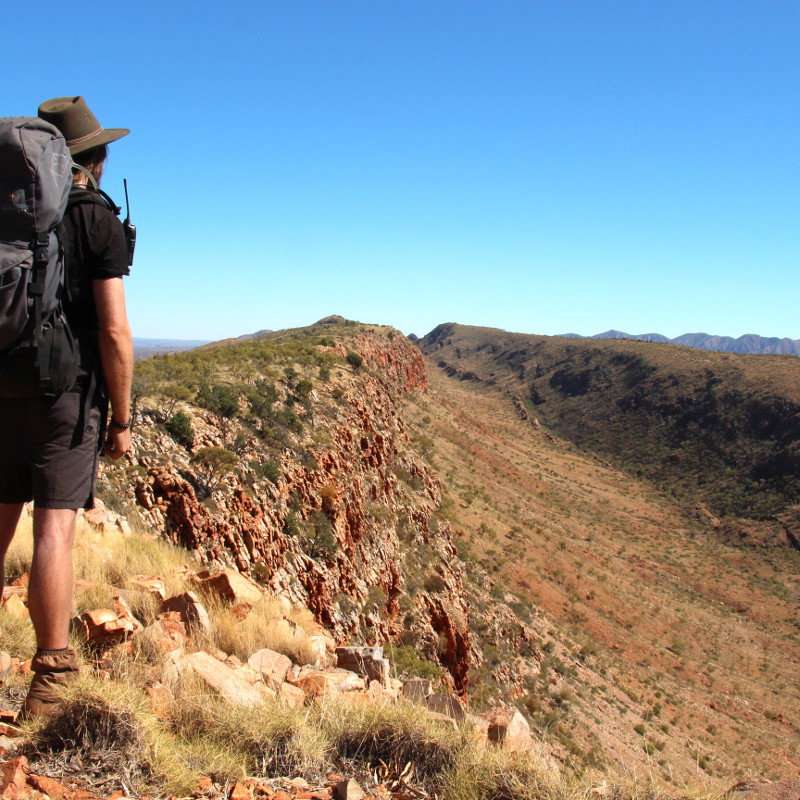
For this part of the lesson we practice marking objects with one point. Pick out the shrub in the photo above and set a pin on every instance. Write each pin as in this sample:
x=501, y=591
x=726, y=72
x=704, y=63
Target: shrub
x=179, y=427
x=320, y=541
x=221, y=401
x=411, y=663
x=303, y=389
x=213, y=464
x=354, y=360
x=269, y=469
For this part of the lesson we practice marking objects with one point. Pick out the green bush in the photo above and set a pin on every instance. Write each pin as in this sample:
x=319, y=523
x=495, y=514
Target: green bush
x=319, y=538
x=222, y=401
x=212, y=465
x=354, y=360
x=179, y=427
x=269, y=469
x=411, y=663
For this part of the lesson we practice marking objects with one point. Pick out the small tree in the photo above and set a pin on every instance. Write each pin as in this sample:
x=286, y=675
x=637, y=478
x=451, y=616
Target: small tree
x=141, y=386
x=319, y=538
x=179, y=427
x=222, y=401
x=212, y=465
x=171, y=395
x=354, y=360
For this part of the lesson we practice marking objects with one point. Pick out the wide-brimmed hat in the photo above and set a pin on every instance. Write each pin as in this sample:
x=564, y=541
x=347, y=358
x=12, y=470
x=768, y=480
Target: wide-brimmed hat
x=80, y=127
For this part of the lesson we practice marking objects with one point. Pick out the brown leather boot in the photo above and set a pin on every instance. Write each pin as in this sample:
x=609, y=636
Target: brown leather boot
x=52, y=671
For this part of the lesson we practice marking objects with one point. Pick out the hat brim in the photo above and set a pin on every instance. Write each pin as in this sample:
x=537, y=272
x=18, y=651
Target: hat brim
x=105, y=136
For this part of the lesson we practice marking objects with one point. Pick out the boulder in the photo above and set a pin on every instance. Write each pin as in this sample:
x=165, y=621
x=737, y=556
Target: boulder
x=191, y=610
x=508, y=729
x=105, y=520
x=272, y=666
x=233, y=586
x=102, y=626
x=221, y=678
x=365, y=661
x=320, y=682
x=292, y=695
x=151, y=584
x=348, y=789
x=14, y=779
x=447, y=704
x=167, y=633
x=417, y=690
x=15, y=605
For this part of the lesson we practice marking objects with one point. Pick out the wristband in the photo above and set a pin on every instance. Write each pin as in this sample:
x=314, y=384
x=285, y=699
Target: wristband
x=121, y=425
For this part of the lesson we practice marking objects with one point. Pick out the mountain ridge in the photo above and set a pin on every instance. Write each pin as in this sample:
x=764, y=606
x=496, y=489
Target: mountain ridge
x=748, y=343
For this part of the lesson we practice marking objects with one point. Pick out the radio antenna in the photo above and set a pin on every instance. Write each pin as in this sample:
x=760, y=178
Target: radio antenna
x=127, y=202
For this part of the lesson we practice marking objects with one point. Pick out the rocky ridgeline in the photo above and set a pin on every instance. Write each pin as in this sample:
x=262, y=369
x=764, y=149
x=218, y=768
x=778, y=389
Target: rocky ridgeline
x=355, y=590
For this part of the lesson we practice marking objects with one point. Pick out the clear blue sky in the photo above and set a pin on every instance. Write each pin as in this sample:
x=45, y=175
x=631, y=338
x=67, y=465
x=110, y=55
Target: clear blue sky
x=545, y=167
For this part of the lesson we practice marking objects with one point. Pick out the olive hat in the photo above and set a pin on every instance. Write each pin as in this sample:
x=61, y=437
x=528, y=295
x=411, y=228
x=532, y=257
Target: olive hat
x=80, y=127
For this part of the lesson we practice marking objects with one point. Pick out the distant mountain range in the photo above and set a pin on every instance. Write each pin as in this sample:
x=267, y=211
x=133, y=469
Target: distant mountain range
x=144, y=348
x=749, y=343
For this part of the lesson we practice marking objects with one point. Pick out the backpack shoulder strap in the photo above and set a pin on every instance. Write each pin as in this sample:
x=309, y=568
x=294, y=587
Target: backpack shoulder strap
x=79, y=197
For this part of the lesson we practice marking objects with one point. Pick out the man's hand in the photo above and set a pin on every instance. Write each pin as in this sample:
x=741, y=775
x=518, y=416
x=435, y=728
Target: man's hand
x=118, y=442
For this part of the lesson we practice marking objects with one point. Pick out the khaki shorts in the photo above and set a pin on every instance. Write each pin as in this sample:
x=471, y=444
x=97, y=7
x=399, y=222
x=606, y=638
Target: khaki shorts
x=49, y=452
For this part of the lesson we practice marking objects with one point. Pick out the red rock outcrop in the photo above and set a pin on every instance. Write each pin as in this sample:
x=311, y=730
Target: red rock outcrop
x=354, y=587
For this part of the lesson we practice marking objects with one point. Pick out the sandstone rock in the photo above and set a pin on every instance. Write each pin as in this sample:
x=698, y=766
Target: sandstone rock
x=15, y=606
x=190, y=608
x=105, y=520
x=240, y=792
x=365, y=661
x=14, y=779
x=318, y=683
x=272, y=666
x=509, y=729
x=151, y=584
x=417, y=690
x=349, y=789
x=49, y=787
x=292, y=695
x=102, y=627
x=447, y=704
x=323, y=647
x=232, y=585
x=22, y=582
x=167, y=633
x=222, y=678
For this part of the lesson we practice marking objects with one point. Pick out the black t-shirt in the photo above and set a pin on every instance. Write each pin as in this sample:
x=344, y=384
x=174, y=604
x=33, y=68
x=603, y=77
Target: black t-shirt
x=95, y=249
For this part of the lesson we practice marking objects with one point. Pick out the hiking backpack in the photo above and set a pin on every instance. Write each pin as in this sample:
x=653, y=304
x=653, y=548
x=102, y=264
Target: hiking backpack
x=38, y=353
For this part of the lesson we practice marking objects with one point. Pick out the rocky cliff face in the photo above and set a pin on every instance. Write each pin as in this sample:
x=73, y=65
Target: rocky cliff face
x=327, y=532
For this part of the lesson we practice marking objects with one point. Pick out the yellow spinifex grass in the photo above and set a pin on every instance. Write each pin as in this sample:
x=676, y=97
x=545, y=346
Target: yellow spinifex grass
x=271, y=623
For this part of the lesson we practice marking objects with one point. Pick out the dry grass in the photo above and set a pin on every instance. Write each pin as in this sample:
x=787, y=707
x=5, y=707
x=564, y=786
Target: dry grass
x=271, y=623
x=103, y=733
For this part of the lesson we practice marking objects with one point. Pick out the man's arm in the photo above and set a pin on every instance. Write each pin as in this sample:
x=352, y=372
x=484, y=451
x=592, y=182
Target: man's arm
x=116, y=356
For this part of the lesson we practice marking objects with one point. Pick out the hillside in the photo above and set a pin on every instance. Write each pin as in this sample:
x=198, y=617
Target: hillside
x=670, y=642
x=706, y=427
x=475, y=540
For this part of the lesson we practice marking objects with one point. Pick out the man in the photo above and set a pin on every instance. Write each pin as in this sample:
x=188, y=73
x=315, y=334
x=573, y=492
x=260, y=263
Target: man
x=49, y=448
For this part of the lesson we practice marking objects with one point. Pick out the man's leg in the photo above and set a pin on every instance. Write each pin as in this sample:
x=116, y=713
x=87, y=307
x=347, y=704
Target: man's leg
x=50, y=606
x=50, y=587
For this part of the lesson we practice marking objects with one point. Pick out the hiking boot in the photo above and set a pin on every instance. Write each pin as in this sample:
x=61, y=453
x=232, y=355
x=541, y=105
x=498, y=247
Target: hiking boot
x=5, y=665
x=52, y=671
